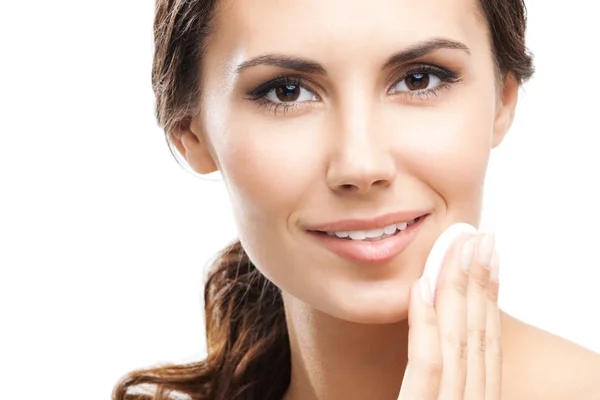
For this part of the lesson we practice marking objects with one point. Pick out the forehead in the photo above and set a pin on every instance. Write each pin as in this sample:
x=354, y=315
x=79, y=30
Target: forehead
x=342, y=29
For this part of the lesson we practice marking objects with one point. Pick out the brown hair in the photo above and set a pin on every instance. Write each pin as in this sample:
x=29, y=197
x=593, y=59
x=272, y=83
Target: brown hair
x=248, y=347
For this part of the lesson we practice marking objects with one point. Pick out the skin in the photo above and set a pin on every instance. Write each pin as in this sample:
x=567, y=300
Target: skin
x=354, y=149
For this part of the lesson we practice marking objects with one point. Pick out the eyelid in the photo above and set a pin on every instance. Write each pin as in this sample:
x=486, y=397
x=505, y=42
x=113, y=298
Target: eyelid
x=281, y=80
x=445, y=75
x=258, y=95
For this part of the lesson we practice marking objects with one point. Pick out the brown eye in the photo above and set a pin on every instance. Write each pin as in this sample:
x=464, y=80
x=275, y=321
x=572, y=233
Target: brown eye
x=288, y=93
x=417, y=81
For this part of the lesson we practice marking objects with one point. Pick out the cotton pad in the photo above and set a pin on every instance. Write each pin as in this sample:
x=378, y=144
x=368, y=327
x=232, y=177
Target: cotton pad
x=441, y=246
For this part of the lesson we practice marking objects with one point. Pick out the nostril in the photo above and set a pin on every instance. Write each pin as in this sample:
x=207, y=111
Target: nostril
x=382, y=182
x=348, y=187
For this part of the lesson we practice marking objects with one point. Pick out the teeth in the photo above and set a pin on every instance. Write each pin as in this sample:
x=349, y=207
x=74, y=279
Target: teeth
x=373, y=233
x=358, y=235
x=390, y=229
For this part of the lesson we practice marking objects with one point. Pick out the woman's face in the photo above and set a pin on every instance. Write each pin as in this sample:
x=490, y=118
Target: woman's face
x=336, y=116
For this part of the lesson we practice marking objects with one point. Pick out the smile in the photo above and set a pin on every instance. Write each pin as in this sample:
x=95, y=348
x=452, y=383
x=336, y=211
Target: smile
x=374, y=235
x=373, y=245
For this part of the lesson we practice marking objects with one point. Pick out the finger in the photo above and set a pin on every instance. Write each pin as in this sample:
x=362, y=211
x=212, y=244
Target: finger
x=477, y=303
x=422, y=376
x=493, y=356
x=451, y=310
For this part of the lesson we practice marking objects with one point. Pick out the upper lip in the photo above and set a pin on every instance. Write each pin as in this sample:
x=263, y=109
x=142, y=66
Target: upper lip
x=368, y=224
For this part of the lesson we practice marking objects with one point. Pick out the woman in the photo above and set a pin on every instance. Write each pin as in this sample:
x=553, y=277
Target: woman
x=350, y=135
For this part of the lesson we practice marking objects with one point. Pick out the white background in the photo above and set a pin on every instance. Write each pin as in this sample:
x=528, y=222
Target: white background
x=104, y=238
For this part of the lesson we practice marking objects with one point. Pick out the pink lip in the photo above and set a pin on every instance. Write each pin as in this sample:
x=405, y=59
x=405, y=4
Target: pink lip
x=368, y=224
x=370, y=252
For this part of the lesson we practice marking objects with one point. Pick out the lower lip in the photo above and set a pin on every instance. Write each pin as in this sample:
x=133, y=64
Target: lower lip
x=371, y=252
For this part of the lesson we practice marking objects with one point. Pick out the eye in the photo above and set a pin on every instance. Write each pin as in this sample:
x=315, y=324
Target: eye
x=290, y=93
x=416, y=82
x=285, y=94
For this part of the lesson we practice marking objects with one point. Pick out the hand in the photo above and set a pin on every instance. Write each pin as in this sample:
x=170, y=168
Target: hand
x=454, y=350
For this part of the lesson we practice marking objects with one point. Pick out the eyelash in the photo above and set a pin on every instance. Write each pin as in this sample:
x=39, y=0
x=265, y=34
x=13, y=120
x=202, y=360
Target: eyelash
x=447, y=79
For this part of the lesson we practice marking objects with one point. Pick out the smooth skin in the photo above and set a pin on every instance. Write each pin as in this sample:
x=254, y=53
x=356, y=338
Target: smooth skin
x=455, y=348
x=359, y=142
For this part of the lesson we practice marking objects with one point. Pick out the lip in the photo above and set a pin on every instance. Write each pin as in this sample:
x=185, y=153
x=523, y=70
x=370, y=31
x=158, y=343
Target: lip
x=370, y=252
x=368, y=224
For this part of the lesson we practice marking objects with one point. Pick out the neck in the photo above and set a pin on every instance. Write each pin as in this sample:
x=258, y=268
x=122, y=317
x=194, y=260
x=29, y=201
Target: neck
x=335, y=359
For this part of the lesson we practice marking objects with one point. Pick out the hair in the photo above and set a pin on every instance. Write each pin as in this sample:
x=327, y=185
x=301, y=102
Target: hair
x=248, y=345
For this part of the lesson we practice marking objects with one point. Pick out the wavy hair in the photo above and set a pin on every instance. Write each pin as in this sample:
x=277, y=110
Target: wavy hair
x=248, y=345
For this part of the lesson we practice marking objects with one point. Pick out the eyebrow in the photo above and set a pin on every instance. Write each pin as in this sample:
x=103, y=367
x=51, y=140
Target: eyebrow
x=285, y=62
x=418, y=50
x=423, y=48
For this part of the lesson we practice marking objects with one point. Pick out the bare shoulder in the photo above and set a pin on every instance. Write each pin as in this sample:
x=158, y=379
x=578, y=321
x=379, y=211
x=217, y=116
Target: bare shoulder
x=540, y=365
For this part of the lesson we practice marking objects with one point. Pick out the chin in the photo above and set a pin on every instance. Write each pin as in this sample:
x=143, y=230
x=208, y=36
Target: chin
x=375, y=305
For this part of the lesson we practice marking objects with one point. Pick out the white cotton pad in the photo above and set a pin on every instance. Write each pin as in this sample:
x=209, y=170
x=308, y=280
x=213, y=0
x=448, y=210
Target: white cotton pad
x=441, y=246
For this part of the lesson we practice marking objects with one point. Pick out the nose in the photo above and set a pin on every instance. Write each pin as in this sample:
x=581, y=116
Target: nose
x=361, y=159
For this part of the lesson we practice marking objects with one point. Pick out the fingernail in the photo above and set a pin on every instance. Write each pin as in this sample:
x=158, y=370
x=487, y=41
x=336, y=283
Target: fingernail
x=425, y=289
x=486, y=248
x=467, y=255
x=495, y=267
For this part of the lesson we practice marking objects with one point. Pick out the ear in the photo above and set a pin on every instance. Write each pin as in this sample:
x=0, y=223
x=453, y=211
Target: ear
x=191, y=143
x=505, y=113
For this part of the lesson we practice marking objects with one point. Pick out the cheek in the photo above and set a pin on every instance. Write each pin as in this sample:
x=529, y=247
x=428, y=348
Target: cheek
x=450, y=153
x=271, y=168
